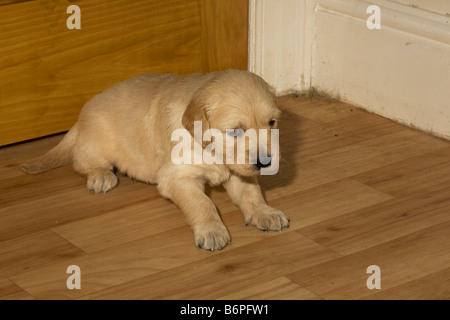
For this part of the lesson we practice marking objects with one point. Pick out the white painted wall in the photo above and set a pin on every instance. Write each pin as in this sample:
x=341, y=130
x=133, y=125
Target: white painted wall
x=281, y=42
x=401, y=71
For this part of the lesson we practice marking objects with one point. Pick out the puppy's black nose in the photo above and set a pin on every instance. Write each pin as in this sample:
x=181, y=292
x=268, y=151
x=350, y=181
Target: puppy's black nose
x=260, y=165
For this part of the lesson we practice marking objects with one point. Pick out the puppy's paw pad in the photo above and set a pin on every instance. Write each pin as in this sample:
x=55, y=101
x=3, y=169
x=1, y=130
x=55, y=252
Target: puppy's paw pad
x=212, y=237
x=268, y=218
x=101, y=181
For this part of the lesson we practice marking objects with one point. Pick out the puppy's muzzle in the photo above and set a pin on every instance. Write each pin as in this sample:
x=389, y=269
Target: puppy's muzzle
x=258, y=165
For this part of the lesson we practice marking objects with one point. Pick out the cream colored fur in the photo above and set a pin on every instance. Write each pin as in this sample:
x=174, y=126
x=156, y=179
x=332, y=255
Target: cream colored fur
x=129, y=127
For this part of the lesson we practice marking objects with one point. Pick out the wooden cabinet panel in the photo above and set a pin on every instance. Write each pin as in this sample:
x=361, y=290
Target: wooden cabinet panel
x=47, y=72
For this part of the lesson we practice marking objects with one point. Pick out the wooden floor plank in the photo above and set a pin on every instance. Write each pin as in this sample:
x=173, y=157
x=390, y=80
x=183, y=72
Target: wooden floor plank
x=224, y=273
x=33, y=251
x=51, y=203
x=382, y=222
x=135, y=259
x=356, y=158
x=410, y=175
x=11, y=291
x=322, y=109
x=326, y=201
x=277, y=289
x=113, y=266
x=436, y=285
x=123, y=225
x=312, y=163
x=402, y=260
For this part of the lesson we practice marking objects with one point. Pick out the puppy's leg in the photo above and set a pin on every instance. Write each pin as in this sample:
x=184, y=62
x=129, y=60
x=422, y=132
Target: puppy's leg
x=188, y=194
x=246, y=194
x=99, y=171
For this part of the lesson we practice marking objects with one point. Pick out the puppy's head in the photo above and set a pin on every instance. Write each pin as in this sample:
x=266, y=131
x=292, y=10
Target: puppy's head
x=237, y=104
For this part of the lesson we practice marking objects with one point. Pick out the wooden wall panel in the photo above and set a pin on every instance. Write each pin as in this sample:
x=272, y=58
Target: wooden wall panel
x=225, y=36
x=47, y=72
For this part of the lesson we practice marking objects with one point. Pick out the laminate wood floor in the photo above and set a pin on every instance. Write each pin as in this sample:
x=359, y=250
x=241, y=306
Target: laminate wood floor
x=360, y=190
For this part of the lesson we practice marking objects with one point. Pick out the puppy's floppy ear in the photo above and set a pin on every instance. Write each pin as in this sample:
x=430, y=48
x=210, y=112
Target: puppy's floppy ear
x=195, y=111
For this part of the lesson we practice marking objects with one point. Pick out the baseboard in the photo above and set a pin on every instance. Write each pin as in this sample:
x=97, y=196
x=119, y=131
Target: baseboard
x=412, y=20
x=401, y=71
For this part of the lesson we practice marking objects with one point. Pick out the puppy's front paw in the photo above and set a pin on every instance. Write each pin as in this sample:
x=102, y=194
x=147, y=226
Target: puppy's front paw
x=101, y=180
x=267, y=218
x=212, y=236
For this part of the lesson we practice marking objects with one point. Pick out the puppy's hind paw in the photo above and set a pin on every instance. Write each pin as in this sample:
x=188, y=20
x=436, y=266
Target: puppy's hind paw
x=101, y=180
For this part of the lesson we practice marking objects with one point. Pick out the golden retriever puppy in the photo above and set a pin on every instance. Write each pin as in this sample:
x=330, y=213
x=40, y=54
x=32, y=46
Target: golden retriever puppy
x=130, y=127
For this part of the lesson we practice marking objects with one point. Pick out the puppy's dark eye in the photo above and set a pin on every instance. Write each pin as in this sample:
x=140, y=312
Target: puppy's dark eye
x=272, y=123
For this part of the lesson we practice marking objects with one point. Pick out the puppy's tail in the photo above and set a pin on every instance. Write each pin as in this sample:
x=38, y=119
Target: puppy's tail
x=60, y=155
